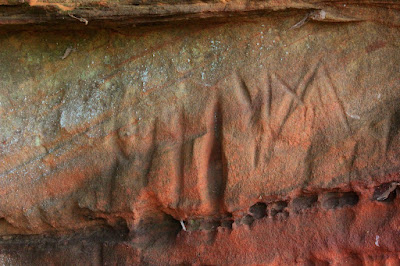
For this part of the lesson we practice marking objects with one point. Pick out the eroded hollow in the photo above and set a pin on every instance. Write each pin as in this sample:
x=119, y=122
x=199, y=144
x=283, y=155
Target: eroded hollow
x=247, y=220
x=304, y=202
x=209, y=225
x=227, y=224
x=258, y=210
x=333, y=200
x=277, y=207
x=349, y=199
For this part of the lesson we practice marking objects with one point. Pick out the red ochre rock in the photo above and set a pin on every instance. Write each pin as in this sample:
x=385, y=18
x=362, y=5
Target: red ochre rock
x=235, y=139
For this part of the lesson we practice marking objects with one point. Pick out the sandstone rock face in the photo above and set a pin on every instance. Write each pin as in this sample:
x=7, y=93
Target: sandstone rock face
x=235, y=139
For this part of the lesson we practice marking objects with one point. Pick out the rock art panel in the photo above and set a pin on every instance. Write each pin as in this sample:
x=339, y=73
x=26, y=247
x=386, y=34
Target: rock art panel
x=161, y=135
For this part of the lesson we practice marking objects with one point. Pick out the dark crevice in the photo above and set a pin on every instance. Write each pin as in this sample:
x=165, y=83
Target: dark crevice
x=282, y=209
x=227, y=224
x=277, y=207
x=258, y=210
x=210, y=225
x=349, y=199
x=333, y=200
x=93, y=234
x=216, y=176
x=157, y=232
x=247, y=220
x=304, y=202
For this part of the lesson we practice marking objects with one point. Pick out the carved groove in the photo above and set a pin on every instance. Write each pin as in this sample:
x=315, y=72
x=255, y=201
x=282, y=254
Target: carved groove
x=244, y=89
x=287, y=88
x=333, y=90
x=216, y=178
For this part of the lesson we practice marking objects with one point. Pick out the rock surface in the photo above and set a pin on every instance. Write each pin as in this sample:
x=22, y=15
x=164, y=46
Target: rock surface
x=236, y=139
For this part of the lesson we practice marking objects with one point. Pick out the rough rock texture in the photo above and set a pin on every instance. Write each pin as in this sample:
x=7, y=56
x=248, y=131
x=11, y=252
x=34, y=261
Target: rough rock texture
x=236, y=139
x=134, y=12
